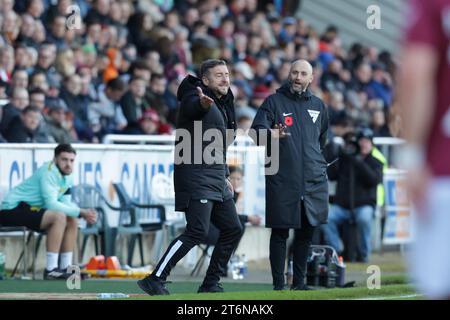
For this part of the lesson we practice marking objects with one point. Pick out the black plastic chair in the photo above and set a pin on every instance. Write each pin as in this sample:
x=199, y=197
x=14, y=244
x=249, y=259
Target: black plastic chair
x=25, y=241
x=89, y=196
x=129, y=220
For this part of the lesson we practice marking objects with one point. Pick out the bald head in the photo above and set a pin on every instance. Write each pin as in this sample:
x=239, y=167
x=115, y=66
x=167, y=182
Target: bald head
x=303, y=65
x=300, y=75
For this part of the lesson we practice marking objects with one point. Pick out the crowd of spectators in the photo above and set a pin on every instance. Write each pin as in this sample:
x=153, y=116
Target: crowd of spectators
x=116, y=69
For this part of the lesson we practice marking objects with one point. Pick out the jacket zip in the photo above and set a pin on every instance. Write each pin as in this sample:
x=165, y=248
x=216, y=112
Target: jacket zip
x=302, y=193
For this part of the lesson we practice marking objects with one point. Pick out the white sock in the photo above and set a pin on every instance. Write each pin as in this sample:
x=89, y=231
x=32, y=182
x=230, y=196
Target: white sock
x=66, y=260
x=52, y=261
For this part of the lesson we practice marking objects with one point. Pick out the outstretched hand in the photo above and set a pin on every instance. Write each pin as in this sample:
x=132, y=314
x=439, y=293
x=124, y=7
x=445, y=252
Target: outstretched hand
x=279, y=131
x=205, y=101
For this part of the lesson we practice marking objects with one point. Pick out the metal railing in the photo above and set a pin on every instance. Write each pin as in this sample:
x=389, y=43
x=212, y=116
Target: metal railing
x=385, y=144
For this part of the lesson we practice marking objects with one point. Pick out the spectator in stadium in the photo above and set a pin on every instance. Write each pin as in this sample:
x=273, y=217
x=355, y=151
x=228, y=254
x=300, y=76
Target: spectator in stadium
x=202, y=190
x=19, y=79
x=4, y=86
x=153, y=61
x=170, y=97
x=149, y=123
x=361, y=78
x=21, y=58
x=106, y=110
x=37, y=98
x=379, y=124
x=72, y=96
x=10, y=27
x=38, y=80
x=65, y=62
x=424, y=100
x=358, y=173
x=34, y=8
x=140, y=69
x=112, y=70
x=133, y=103
x=381, y=85
x=57, y=31
x=236, y=179
x=260, y=93
x=46, y=60
x=262, y=68
x=100, y=11
x=155, y=96
x=27, y=30
x=43, y=203
x=331, y=79
x=336, y=106
x=6, y=62
x=244, y=117
x=19, y=100
x=24, y=128
x=56, y=121
x=38, y=35
x=297, y=195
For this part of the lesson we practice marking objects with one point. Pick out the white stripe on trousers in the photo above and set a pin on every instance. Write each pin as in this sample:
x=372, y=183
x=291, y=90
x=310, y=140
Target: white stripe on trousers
x=172, y=251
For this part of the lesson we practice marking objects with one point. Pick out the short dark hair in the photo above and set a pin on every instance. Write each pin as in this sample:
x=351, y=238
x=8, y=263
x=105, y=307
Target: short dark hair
x=31, y=108
x=157, y=76
x=116, y=84
x=209, y=64
x=235, y=168
x=138, y=64
x=64, y=147
x=36, y=91
x=135, y=78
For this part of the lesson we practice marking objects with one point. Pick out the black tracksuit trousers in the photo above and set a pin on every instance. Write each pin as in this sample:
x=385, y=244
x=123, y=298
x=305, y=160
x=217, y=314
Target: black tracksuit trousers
x=277, y=255
x=199, y=215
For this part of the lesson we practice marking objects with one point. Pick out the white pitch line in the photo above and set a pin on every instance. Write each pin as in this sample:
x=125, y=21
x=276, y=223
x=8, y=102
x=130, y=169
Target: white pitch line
x=392, y=297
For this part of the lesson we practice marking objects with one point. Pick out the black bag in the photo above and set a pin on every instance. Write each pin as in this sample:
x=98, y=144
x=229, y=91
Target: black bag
x=324, y=268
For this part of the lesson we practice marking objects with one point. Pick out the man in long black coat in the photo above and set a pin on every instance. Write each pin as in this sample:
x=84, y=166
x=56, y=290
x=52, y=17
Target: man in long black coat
x=205, y=127
x=297, y=194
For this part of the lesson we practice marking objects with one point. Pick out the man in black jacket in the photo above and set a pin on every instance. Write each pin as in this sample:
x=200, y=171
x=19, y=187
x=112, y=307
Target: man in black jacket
x=296, y=195
x=202, y=190
x=358, y=174
x=23, y=128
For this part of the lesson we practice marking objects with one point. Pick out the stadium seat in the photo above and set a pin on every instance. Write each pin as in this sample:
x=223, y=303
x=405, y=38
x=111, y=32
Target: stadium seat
x=129, y=221
x=88, y=196
x=22, y=231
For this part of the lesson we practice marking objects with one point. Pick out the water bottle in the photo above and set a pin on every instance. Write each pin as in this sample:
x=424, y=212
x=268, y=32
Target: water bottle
x=243, y=267
x=340, y=272
x=290, y=271
x=235, y=267
x=106, y=295
x=2, y=266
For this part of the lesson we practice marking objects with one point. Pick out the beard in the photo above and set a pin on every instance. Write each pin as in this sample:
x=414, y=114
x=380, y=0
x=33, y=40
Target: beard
x=221, y=90
x=298, y=87
x=63, y=172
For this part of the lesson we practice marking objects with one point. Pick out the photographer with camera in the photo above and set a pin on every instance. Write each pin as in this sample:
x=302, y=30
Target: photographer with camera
x=358, y=174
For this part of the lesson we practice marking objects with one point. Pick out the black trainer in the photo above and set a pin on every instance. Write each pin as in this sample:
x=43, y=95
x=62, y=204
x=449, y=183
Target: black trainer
x=56, y=274
x=83, y=275
x=213, y=288
x=279, y=288
x=303, y=287
x=153, y=286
